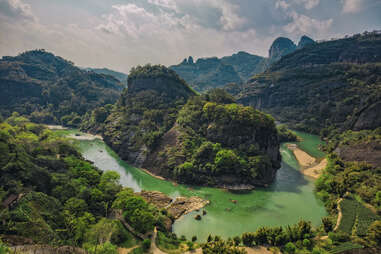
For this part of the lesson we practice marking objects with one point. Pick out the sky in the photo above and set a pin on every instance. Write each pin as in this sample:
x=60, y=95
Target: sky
x=120, y=34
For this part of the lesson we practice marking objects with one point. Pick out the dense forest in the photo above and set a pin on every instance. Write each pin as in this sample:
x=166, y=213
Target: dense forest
x=51, y=89
x=321, y=87
x=159, y=123
x=51, y=195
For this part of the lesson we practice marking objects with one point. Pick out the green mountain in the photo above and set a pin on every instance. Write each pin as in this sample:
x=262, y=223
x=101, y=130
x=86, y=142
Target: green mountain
x=122, y=77
x=51, y=89
x=323, y=86
x=159, y=123
x=50, y=194
x=208, y=73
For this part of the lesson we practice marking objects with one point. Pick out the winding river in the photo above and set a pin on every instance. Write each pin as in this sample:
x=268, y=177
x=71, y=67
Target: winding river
x=289, y=199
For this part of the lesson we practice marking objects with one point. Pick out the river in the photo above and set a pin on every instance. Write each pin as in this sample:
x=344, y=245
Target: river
x=286, y=201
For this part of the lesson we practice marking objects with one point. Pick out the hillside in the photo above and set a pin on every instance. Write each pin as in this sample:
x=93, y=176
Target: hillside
x=160, y=124
x=51, y=89
x=213, y=72
x=122, y=77
x=324, y=86
x=50, y=195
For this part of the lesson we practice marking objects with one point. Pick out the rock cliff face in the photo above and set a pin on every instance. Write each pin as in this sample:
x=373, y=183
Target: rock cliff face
x=281, y=47
x=160, y=124
x=304, y=41
x=333, y=84
x=145, y=111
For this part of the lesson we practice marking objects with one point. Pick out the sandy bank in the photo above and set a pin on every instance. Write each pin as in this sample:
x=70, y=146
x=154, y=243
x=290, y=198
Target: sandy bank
x=315, y=171
x=309, y=165
x=55, y=127
x=84, y=136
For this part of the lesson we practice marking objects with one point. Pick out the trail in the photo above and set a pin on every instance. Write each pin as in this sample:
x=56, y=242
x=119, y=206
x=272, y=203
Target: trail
x=340, y=215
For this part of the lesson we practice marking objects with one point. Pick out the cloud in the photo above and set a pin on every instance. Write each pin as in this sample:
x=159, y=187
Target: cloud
x=352, y=6
x=16, y=9
x=303, y=24
x=308, y=4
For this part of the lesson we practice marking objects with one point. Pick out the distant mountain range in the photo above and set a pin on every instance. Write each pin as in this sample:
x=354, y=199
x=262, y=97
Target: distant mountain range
x=212, y=72
x=122, y=77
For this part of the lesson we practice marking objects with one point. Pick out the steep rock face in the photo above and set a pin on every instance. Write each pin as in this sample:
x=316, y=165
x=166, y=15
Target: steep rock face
x=305, y=40
x=205, y=148
x=47, y=87
x=333, y=84
x=281, y=47
x=145, y=111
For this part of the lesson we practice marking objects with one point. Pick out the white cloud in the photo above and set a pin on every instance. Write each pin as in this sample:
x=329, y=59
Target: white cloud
x=16, y=9
x=308, y=4
x=352, y=6
x=303, y=24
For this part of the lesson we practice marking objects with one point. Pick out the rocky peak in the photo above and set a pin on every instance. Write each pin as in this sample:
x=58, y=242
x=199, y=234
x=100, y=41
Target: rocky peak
x=280, y=47
x=305, y=40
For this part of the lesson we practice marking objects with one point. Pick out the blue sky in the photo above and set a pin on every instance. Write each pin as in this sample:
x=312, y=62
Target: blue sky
x=119, y=34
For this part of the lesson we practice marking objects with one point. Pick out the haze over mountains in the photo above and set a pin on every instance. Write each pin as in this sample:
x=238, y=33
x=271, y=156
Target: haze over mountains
x=207, y=73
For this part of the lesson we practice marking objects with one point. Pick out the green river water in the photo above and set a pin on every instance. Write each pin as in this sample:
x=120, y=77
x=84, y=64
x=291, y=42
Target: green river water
x=286, y=201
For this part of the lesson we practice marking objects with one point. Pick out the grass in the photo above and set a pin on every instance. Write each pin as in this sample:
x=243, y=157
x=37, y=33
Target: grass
x=356, y=217
x=168, y=244
x=345, y=247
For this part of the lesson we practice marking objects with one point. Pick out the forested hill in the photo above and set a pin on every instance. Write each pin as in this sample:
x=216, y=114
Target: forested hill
x=51, y=89
x=122, y=77
x=161, y=124
x=212, y=72
x=324, y=86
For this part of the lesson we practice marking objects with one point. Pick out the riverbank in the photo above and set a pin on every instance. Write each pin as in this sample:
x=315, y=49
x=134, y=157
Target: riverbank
x=310, y=166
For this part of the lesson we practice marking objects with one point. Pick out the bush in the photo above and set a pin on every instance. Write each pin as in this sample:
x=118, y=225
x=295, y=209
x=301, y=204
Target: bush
x=289, y=248
x=146, y=245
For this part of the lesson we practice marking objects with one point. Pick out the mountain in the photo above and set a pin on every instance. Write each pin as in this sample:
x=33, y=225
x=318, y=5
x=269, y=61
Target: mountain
x=208, y=73
x=51, y=89
x=160, y=124
x=304, y=41
x=281, y=47
x=323, y=86
x=122, y=77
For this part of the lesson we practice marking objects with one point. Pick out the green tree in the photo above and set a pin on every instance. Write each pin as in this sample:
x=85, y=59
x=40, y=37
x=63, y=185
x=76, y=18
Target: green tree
x=374, y=233
x=290, y=248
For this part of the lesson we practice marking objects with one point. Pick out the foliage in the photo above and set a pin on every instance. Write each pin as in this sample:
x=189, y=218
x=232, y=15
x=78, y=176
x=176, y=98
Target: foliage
x=61, y=198
x=286, y=135
x=220, y=246
x=209, y=146
x=146, y=245
x=51, y=90
x=324, y=86
x=209, y=73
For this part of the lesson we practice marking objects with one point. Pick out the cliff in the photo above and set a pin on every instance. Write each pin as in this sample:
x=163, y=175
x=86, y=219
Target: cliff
x=160, y=124
x=324, y=86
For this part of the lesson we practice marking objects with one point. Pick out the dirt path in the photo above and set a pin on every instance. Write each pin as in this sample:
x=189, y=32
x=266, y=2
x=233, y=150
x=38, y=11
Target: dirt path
x=154, y=248
x=257, y=250
x=126, y=250
x=340, y=215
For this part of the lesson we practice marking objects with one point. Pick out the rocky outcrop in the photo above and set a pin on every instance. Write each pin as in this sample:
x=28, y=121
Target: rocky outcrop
x=281, y=47
x=176, y=207
x=304, y=41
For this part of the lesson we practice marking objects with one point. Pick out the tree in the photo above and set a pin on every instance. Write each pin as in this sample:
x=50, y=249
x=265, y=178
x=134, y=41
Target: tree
x=327, y=224
x=374, y=233
x=146, y=245
x=237, y=240
x=194, y=238
x=290, y=248
x=248, y=239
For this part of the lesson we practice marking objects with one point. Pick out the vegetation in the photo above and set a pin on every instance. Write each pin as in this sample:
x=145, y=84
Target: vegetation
x=52, y=90
x=161, y=124
x=59, y=198
x=209, y=147
x=286, y=135
x=324, y=86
